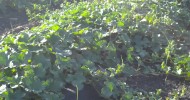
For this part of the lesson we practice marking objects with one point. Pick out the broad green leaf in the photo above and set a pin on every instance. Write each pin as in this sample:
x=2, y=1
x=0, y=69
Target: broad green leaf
x=41, y=59
x=33, y=83
x=127, y=96
x=17, y=95
x=52, y=38
x=106, y=92
x=34, y=48
x=21, y=56
x=1, y=75
x=85, y=13
x=55, y=27
x=3, y=58
x=76, y=35
x=77, y=80
x=110, y=86
x=6, y=95
x=23, y=38
x=9, y=39
x=125, y=38
x=120, y=24
x=9, y=72
x=74, y=11
x=52, y=96
x=82, y=31
x=63, y=53
x=40, y=71
x=188, y=74
x=55, y=84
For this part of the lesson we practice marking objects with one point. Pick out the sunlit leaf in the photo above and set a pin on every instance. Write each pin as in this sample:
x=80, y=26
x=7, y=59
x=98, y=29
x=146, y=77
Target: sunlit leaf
x=2, y=88
x=85, y=13
x=55, y=27
x=120, y=24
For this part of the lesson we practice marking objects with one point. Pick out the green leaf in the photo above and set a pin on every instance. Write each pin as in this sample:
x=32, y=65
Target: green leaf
x=10, y=72
x=35, y=48
x=21, y=56
x=55, y=27
x=63, y=53
x=127, y=96
x=77, y=80
x=129, y=54
x=85, y=13
x=3, y=59
x=74, y=11
x=40, y=71
x=41, y=59
x=52, y=38
x=120, y=24
x=106, y=92
x=80, y=32
x=6, y=95
x=17, y=95
x=33, y=83
x=110, y=86
x=1, y=75
x=9, y=39
x=23, y=38
x=52, y=96
x=55, y=84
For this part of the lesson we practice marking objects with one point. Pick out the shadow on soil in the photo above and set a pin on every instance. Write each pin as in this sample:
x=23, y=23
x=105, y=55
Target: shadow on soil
x=87, y=93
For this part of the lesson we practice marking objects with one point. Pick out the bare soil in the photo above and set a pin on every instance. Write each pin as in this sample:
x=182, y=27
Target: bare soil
x=11, y=19
x=167, y=83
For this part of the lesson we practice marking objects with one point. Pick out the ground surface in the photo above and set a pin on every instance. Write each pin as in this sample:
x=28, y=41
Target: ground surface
x=168, y=84
x=12, y=19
